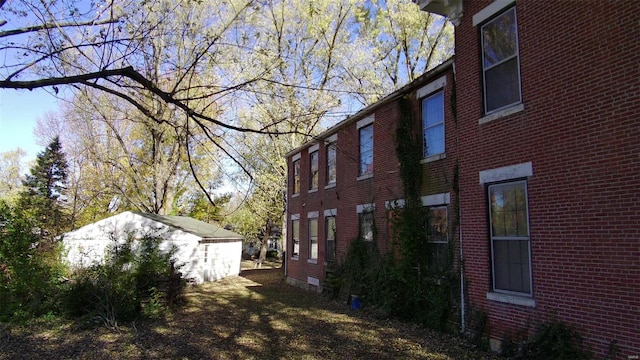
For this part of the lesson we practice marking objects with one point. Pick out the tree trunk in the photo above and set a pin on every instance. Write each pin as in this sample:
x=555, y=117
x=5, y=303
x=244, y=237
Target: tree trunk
x=265, y=241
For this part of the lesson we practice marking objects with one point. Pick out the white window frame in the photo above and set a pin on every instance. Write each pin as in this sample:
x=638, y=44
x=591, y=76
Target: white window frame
x=425, y=146
x=295, y=217
x=312, y=216
x=331, y=146
x=330, y=213
x=296, y=175
x=314, y=171
x=510, y=238
x=366, y=209
x=490, y=14
x=368, y=121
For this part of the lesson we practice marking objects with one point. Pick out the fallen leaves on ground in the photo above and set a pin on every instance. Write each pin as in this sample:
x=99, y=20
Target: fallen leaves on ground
x=252, y=316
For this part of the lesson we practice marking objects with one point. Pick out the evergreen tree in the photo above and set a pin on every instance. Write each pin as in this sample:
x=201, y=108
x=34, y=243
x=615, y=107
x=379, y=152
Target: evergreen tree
x=44, y=192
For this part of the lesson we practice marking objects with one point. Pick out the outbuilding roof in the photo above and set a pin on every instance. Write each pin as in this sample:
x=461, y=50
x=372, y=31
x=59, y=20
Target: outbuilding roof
x=193, y=226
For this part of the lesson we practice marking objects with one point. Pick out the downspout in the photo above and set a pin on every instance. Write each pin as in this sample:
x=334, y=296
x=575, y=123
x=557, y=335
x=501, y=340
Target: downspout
x=463, y=325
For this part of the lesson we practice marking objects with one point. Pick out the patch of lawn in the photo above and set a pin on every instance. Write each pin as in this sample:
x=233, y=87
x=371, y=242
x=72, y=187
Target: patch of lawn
x=253, y=316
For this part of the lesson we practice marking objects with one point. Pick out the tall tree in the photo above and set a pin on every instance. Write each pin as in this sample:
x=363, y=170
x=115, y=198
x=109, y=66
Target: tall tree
x=44, y=192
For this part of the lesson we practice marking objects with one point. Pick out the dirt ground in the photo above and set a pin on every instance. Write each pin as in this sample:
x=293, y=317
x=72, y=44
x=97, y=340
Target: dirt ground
x=252, y=316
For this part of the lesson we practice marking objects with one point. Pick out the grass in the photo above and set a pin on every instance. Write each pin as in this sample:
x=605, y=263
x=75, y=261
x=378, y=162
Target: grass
x=253, y=316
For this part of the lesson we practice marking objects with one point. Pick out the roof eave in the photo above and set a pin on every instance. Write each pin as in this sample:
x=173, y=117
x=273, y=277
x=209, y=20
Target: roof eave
x=449, y=8
x=371, y=108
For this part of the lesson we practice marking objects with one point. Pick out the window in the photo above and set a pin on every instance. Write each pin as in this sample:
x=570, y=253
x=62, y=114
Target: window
x=296, y=177
x=510, y=243
x=331, y=164
x=500, y=61
x=366, y=225
x=313, y=170
x=206, y=254
x=433, y=124
x=366, y=150
x=330, y=231
x=313, y=239
x=295, y=237
x=437, y=240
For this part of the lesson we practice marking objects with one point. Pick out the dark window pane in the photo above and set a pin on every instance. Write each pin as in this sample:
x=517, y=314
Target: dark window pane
x=331, y=237
x=511, y=265
x=502, y=85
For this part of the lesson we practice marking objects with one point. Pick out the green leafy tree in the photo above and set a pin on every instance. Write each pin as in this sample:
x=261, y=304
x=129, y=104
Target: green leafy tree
x=11, y=174
x=28, y=275
x=42, y=198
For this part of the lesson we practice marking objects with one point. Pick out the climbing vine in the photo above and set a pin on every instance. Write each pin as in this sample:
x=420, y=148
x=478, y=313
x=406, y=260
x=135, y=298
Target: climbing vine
x=402, y=283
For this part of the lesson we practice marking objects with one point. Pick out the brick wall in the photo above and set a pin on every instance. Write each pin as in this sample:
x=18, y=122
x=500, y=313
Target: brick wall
x=580, y=128
x=350, y=192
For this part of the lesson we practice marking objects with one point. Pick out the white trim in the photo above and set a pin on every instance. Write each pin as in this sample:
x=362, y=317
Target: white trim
x=365, y=207
x=312, y=190
x=431, y=87
x=394, y=204
x=312, y=261
x=514, y=109
x=511, y=299
x=436, y=199
x=366, y=121
x=506, y=173
x=329, y=186
x=312, y=214
x=330, y=212
x=295, y=195
x=295, y=217
x=313, y=281
x=433, y=158
x=365, y=176
x=493, y=8
x=314, y=148
x=331, y=139
x=295, y=157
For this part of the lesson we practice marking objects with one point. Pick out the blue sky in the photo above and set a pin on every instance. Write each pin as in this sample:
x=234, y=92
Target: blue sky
x=19, y=110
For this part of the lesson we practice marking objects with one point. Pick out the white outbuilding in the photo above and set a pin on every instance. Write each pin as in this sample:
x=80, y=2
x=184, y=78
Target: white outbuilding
x=204, y=251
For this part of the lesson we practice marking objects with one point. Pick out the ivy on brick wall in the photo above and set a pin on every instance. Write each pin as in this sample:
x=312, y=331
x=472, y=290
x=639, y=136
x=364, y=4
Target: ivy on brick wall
x=402, y=283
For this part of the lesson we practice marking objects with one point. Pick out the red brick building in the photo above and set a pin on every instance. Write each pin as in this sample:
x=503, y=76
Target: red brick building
x=545, y=129
x=344, y=182
x=548, y=99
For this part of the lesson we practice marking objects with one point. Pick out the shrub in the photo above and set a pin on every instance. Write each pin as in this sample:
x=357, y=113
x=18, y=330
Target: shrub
x=30, y=269
x=130, y=283
x=555, y=340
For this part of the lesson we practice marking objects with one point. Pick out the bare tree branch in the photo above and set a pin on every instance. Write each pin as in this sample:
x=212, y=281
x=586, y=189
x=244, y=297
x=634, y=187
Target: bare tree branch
x=49, y=26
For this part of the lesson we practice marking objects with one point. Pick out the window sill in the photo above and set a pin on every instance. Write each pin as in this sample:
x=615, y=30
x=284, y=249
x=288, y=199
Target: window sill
x=511, y=299
x=365, y=176
x=502, y=113
x=329, y=186
x=312, y=191
x=295, y=195
x=432, y=158
x=312, y=261
x=296, y=258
